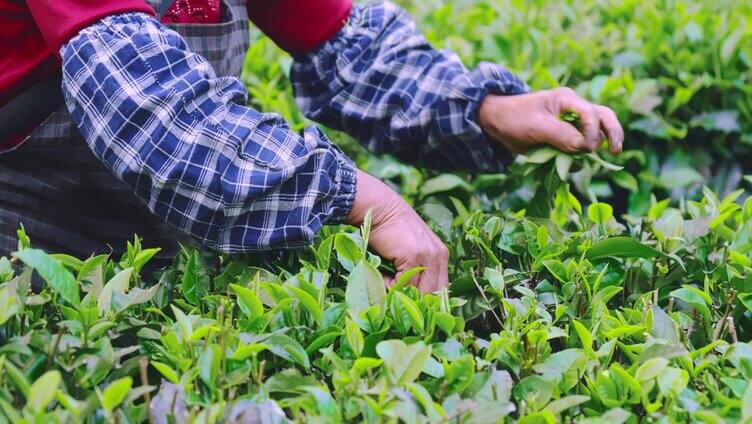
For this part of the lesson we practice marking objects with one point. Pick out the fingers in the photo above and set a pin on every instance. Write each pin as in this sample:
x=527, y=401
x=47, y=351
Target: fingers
x=612, y=127
x=526, y=120
x=563, y=136
x=567, y=99
x=390, y=280
x=436, y=276
x=429, y=252
x=596, y=121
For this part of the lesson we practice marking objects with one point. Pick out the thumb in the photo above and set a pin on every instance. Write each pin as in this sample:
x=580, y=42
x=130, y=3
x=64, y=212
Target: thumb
x=562, y=135
x=389, y=279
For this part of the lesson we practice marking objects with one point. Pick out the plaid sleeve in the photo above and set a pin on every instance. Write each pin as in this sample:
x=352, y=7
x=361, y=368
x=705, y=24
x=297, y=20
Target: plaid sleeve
x=157, y=115
x=379, y=80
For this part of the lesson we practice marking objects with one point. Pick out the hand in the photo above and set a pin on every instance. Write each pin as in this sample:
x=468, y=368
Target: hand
x=399, y=235
x=526, y=120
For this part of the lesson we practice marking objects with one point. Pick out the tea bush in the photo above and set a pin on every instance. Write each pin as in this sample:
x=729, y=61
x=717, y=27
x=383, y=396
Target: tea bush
x=590, y=288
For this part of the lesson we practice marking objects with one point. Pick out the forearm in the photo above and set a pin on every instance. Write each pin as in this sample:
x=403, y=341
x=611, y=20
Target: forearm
x=236, y=179
x=379, y=80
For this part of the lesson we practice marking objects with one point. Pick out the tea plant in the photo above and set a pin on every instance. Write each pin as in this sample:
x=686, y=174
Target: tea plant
x=544, y=320
x=586, y=288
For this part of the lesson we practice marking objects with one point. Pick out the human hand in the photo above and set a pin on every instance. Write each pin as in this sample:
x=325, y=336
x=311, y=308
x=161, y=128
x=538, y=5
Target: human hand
x=524, y=121
x=399, y=235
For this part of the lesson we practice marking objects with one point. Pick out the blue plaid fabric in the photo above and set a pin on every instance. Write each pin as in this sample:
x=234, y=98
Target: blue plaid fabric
x=380, y=81
x=240, y=180
x=156, y=114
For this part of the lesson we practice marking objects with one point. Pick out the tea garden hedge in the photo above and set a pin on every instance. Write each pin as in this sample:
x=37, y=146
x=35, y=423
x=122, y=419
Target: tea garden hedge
x=593, y=288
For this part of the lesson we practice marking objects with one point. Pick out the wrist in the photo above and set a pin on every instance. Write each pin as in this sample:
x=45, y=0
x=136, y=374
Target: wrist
x=372, y=194
x=498, y=117
x=484, y=114
x=347, y=181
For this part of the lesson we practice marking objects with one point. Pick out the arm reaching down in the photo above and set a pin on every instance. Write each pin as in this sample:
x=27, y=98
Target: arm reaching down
x=234, y=178
x=156, y=114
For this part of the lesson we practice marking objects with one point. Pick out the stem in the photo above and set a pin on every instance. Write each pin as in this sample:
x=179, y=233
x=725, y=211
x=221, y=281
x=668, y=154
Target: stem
x=172, y=405
x=54, y=347
x=221, y=342
x=732, y=329
x=691, y=328
x=719, y=326
x=142, y=364
x=483, y=294
x=260, y=375
x=653, y=276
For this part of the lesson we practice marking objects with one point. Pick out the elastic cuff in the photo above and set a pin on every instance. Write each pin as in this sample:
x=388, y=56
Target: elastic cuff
x=490, y=78
x=348, y=182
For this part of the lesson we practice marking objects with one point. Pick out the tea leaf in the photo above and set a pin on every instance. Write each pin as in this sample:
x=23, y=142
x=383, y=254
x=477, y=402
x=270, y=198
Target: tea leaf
x=115, y=393
x=309, y=303
x=42, y=391
x=117, y=284
x=348, y=252
x=621, y=247
x=166, y=371
x=195, y=281
x=354, y=337
x=600, y=213
x=365, y=287
x=248, y=301
x=403, y=362
x=53, y=272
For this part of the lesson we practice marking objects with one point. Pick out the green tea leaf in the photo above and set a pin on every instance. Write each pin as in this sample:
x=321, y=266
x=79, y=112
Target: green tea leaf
x=18, y=378
x=672, y=381
x=365, y=287
x=694, y=297
x=747, y=403
x=246, y=351
x=442, y=183
x=166, y=371
x=586, y=338
x=248, y=301
x=621, y=247
x=348, y=252
x=354, y=337
x=405, y=277
x=403, y=362
x=563, y=164
x=535, y=390
x=53, y=272
x=326, y=405
x=600, y=213
x=408, y=305
x=542, y=155
x=42, y=391
x=650, y=369
x=560, y=405
x=208, y=365
x=288, y=348
x=195, y=281
x=117, y=284
x=115, y=393
x=625, y=180
x=308, y=302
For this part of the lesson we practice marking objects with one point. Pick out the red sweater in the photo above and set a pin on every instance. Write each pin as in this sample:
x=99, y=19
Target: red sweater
x=32, y=31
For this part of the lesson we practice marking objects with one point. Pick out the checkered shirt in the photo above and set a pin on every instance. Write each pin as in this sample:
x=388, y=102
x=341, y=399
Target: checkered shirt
x=240, y=180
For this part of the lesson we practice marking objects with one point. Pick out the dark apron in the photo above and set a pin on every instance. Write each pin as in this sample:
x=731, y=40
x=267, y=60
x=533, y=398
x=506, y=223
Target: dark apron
x=65, y=198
